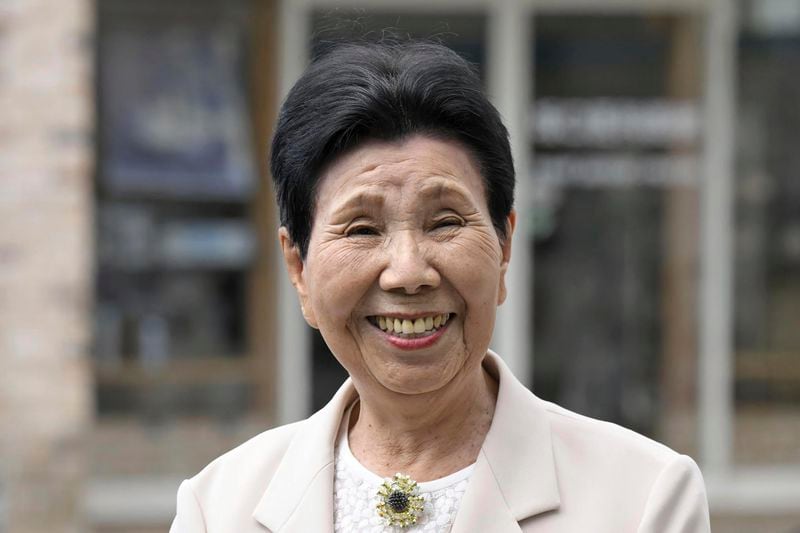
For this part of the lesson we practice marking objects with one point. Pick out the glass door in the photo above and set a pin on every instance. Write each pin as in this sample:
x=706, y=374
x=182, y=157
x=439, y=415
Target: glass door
x=767, y=239
x=615, y=180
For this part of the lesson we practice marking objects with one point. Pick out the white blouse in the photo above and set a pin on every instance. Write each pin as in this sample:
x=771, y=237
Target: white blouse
x=355, y=496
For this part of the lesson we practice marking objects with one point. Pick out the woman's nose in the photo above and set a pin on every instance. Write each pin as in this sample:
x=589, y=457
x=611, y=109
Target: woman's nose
x=407, y=267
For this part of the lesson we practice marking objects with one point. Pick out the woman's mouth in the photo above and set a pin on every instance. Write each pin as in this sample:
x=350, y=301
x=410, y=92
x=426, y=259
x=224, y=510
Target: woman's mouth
x=411, y=333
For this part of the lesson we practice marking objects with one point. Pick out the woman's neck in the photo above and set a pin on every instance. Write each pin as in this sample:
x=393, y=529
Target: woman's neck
x=425, y=436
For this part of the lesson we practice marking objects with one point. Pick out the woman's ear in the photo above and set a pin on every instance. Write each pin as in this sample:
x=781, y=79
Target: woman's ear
x=296, y=269
x=505, y=247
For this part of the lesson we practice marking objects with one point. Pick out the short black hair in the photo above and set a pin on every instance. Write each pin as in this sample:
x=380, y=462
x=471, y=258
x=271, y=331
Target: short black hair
x=356, y=92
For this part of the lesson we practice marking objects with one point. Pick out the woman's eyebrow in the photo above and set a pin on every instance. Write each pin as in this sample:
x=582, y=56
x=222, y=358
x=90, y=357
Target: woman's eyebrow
x=447, y=190
x=358, y=201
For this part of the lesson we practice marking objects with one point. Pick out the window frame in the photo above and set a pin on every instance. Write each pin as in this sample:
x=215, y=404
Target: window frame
x=732, y=489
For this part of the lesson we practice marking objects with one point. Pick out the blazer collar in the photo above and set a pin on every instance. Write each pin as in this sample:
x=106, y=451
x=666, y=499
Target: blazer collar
x=514, y=477
x=299, y=496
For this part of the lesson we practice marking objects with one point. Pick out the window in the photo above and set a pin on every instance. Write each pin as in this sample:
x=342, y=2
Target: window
x=615, y=183
x=184, y=284
x=767, y=239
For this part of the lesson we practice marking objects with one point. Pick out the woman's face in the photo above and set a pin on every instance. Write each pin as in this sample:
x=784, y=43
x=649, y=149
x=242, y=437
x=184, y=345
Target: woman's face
x=404, y=269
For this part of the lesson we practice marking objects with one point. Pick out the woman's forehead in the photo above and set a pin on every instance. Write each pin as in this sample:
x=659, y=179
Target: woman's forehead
x=425, y=167
x=433, y=190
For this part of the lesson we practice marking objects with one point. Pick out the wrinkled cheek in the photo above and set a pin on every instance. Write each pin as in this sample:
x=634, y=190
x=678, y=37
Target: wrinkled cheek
x=334, y=305
x=331, y=304
x=482, y=306
x=485, y=283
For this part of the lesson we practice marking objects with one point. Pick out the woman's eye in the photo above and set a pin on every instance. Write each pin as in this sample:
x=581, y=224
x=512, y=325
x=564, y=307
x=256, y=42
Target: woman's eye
x=447, y=223
x=362, y=230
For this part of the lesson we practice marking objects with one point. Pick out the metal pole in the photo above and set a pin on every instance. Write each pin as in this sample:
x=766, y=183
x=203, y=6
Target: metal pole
x=509, y=68
x=294, y=342
x=716, y=400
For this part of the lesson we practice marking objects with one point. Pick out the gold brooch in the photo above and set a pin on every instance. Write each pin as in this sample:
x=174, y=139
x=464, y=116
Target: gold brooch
x=399, y=501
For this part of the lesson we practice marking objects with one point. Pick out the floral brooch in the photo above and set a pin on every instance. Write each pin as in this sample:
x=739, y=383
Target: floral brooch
x=399, y=502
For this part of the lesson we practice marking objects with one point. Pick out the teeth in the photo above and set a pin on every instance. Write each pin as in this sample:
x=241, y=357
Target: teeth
x=408, y=327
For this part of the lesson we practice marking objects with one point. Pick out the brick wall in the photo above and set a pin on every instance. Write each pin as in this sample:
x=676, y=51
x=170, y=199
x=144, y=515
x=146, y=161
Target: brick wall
x=46, y=159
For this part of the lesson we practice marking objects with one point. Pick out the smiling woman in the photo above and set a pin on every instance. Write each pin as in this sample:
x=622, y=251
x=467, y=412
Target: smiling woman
x=402, y=231
x=395, y=184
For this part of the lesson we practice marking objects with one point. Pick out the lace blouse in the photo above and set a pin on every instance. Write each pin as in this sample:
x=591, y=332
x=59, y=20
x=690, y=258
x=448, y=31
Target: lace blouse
x=355, y=496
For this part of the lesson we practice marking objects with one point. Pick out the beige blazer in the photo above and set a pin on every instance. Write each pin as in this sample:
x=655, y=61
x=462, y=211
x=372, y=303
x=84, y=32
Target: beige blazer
x=541, y=469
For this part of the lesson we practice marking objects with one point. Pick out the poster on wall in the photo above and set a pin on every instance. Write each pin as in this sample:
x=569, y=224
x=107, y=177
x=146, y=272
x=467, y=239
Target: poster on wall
x=174, y=120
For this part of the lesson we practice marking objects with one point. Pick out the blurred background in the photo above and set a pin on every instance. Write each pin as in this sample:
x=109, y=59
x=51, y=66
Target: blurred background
x=146, y=325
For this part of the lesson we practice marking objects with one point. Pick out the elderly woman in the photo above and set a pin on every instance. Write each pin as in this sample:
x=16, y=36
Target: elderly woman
x=395, y=184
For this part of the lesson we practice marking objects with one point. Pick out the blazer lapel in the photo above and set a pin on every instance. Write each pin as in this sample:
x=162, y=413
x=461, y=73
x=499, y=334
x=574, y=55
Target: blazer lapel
x=482, y=507
x=515, y=475
x=299, y=498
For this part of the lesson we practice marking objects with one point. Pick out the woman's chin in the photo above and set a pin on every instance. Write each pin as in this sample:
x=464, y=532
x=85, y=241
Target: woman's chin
x=416, y=378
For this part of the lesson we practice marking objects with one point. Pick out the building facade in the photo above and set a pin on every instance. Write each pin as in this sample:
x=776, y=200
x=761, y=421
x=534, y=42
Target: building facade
x=146, y=323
